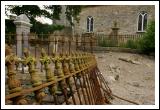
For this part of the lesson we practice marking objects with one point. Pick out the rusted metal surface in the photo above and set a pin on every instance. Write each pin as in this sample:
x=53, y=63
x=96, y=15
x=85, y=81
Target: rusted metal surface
x=35, y=78
x=13, y=83
x=68, y=75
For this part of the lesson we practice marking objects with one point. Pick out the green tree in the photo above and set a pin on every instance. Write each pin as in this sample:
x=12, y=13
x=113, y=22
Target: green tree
x=55, y=12
x=33, y=11
x=73, y=11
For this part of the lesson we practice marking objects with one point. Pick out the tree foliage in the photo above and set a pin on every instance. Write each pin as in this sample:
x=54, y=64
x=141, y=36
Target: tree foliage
x=73, y=11
x=33, y=11
x=147, y=43
x=55, y=11
x=10, y=26
x=40, y=28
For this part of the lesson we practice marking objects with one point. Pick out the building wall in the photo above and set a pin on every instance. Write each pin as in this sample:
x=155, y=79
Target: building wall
x=104, y=16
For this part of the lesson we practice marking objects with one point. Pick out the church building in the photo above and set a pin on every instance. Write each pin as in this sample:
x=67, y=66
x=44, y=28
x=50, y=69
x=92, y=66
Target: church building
x=130, y=19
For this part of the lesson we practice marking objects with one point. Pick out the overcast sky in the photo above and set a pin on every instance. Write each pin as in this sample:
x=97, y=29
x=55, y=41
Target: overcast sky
x=43, y=19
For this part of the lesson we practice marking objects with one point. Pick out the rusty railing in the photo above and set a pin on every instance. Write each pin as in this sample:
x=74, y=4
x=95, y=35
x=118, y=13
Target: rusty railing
x=67, y=78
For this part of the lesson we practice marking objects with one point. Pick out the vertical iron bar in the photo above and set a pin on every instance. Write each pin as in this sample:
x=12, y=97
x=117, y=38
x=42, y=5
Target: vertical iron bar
x=55, y=47
x=22, y=51
x=71, y=90
x=28, y=40
x=82, y=89
x=69, y=46
x=64, y=90
x=100, y=82
x=84, y=42
x=88, y=95
x=35, y=46
x=16, y=51
x=77, y=90
x=100, y=99
x=55, y=99
x=41, y=47
x=48, y=42
x=91, y=87
x=105, y=84
x=16, y=44
x=62, y=44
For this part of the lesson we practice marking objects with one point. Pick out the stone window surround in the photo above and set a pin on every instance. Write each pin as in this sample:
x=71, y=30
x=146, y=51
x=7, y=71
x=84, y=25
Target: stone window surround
x=89, y=18
x=142, y=14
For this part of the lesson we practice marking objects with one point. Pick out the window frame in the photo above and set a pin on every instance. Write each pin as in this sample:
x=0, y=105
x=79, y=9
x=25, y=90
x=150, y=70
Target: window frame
x=142, y=24
x=89, y=19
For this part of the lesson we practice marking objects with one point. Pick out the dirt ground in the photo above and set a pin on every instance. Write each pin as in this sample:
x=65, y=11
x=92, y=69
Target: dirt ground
x=135, y=82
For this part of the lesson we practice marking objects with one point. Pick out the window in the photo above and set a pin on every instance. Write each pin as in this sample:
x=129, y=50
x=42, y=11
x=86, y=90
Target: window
x=142, y=21
x=89, y=24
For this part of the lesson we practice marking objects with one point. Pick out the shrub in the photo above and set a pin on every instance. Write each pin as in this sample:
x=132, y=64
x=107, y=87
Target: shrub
x=106, y=42
x=132, y=44
x=147, y=43
x=102, y=43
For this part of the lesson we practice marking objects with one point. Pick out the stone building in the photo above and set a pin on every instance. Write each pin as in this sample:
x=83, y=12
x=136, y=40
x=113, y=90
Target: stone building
x=130, y=19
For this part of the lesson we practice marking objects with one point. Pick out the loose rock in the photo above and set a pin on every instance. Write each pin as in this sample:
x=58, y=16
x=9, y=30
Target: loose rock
x=129, y=60
x=116, y=77
x=110, y=79
x=136, y=84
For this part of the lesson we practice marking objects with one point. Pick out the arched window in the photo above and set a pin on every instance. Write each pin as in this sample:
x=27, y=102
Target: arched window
x=89, y=24
x=142, y=21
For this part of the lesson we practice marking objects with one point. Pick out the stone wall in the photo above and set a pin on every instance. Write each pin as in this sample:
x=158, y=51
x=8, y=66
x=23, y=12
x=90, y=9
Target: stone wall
x=104, y=16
